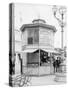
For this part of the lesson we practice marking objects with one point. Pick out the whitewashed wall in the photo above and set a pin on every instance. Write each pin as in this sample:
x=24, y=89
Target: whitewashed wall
x=24, y=37
x=18, y=41
x=18, y=49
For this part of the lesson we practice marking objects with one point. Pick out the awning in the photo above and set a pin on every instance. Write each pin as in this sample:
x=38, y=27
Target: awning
x=50, y=50
x=29, y=50
x=33, y=50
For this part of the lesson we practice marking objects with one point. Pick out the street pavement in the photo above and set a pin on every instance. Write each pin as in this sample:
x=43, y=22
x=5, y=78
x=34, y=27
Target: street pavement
x=45, y=80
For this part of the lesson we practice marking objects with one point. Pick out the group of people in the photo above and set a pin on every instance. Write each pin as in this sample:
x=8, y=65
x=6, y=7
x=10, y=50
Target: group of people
x=56, y=64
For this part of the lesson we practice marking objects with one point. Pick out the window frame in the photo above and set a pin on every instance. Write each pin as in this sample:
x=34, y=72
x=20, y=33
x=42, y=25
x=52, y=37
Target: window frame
x=33, y=30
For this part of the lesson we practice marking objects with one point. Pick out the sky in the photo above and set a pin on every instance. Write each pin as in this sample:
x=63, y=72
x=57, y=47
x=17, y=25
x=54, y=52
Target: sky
x=26, y=13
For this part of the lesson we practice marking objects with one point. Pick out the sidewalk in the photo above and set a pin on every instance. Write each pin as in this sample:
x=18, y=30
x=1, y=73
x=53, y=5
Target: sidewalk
x=44, y=80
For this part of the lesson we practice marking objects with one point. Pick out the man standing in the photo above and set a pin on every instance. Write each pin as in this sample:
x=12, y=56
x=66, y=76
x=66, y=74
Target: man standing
x=58, y=63
x=54, y=65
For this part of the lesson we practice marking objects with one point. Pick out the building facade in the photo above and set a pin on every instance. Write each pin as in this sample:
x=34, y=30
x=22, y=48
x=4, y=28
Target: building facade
x=35, y=47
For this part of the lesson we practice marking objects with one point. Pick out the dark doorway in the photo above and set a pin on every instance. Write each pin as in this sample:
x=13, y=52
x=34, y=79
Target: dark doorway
x=44, y=58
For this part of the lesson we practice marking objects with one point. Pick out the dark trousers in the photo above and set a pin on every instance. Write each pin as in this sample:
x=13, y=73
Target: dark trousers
x=55, y=69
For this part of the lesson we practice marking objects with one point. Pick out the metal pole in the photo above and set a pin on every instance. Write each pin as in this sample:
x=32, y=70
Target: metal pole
x=11, y=44
x=39, y=53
